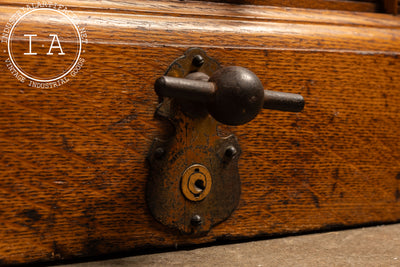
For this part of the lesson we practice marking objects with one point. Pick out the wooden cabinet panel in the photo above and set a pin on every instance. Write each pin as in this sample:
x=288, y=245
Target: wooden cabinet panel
x=72, y=163
x=345, y=5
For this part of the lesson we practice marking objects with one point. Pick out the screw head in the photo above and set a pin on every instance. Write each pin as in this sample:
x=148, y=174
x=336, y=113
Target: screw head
x=159, y=152
x=230, y=151
x=196, y=220
x=198, y=61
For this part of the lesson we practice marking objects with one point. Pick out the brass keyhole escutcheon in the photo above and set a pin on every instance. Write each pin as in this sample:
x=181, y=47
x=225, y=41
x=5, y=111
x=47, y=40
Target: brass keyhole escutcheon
x=196, y=182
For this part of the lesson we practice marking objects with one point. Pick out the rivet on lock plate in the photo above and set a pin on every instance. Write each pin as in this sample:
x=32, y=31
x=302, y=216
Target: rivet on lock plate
x=194, y=180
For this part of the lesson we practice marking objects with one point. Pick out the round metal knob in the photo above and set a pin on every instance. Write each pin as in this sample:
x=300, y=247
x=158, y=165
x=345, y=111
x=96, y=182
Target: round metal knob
x=233, y=95
x=239, y=95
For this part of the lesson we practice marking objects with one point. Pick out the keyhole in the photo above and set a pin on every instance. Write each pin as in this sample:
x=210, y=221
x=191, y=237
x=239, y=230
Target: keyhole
x=200, y=185
x=196, y=182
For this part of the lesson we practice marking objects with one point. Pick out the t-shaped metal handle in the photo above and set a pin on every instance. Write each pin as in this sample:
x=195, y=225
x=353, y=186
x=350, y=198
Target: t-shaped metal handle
x=233, y=95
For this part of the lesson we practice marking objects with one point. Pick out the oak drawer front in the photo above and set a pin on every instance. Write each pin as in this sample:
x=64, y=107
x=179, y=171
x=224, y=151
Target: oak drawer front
x=73, y=157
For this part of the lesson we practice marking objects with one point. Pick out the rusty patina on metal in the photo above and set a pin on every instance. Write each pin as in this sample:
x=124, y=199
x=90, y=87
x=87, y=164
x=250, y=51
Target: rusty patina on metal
x=194, y=181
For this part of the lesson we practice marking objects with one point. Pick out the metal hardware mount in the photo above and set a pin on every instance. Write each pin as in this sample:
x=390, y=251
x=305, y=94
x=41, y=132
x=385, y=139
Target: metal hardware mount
x=194, y=180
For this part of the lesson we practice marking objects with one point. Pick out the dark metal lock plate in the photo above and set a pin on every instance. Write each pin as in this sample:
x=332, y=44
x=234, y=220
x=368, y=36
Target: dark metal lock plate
x=194, y=182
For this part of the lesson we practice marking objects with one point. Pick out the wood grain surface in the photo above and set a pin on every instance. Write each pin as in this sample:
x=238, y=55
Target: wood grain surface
x=391, y=6
x=357, y=5
x=72, y=161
